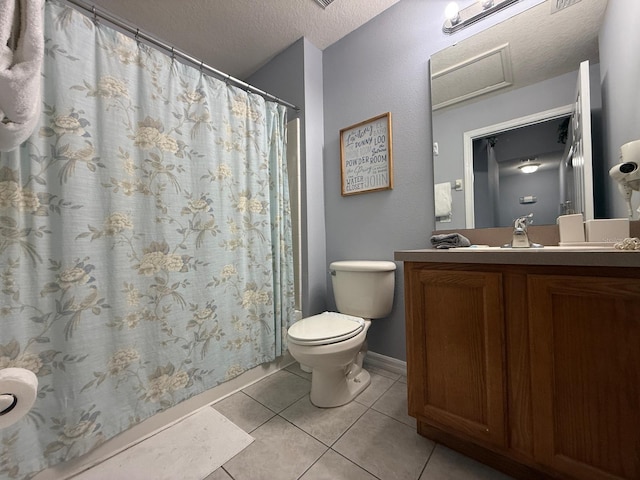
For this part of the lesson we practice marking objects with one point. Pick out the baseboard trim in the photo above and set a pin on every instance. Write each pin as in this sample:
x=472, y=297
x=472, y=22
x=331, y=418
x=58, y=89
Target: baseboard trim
x=387, y=363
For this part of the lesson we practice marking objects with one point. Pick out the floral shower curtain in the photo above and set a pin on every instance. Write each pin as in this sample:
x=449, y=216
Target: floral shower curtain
x=145, y=248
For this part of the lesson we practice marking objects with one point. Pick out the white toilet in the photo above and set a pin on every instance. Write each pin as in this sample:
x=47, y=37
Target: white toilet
x=333, y=344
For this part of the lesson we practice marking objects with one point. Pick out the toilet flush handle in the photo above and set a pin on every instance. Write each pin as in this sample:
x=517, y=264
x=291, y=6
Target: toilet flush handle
x=333, y=272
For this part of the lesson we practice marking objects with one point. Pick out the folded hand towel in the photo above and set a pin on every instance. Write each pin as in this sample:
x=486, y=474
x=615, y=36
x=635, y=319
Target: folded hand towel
x=20, y=68
x=442, y=195
x=449, y=240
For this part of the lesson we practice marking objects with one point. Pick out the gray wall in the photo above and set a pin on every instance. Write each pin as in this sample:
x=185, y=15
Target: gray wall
x=384, y=67
x=620, y=76
x=545, y=189
x=381, y=67
x=295, y=75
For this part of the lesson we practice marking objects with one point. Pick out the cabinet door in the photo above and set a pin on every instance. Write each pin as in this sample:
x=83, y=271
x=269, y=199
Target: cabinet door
x=455, y=333
x=585, y=365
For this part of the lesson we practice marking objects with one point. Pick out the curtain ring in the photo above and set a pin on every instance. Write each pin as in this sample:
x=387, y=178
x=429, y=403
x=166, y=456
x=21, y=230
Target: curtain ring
x=173, y=54
x=95, y=14
x=201, y=65
x=137, y=36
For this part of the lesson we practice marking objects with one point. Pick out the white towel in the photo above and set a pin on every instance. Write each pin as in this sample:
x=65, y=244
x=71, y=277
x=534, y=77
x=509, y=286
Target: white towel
x=442, y=195
x=20, y=70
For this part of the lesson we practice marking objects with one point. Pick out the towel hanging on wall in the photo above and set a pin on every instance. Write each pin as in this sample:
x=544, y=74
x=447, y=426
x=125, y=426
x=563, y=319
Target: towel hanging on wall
x=20, y=69
x=443, y=199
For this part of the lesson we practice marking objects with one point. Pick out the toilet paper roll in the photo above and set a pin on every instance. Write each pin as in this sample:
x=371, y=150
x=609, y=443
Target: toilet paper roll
x=18, y=391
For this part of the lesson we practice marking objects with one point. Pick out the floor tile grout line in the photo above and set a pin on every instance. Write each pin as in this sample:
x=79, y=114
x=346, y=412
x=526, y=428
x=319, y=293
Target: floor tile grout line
x=310, y=435
x=329, y=447
x=370, y=408
x=392, y=418
x=279, y=411
x=367, y=408
x=378, y=371
x=354, y=463
x=378, y=398
x=314, y=462
x=267, y=420
x=258, y=402
x=387, y=415
x=225, y=471
x=299, y=374
x=295, y=401
x=382, y=394
x=350, y=426
x=435, y=444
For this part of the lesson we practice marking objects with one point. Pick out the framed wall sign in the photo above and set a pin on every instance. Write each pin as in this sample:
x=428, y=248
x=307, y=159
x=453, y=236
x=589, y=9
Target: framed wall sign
x=366, y=157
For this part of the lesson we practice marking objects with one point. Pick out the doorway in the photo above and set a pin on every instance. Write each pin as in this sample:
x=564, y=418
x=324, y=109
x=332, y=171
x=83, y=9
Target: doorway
x=497, y=189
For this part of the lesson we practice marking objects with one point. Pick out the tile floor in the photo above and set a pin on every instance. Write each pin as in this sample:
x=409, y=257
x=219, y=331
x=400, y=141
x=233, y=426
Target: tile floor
x=367, y=439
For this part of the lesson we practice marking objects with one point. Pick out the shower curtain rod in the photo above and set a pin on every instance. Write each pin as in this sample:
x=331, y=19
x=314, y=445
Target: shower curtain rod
x=138, y=34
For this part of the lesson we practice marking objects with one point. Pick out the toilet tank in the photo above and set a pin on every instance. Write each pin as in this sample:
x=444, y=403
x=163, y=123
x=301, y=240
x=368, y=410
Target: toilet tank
x=363, y=288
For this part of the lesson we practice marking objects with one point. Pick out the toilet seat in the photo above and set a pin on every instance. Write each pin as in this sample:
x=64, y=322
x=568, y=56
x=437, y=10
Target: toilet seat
x=325, y=328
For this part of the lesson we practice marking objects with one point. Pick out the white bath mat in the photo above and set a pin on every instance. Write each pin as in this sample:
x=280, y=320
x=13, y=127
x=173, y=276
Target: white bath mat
x=189, y=450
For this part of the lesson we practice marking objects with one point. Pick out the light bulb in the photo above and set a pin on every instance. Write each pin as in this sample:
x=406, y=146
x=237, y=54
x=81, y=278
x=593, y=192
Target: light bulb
x=529, y=167
x=452, y=12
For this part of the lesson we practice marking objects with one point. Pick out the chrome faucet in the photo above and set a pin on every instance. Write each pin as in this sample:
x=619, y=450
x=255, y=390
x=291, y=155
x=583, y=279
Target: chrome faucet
x=520, y=235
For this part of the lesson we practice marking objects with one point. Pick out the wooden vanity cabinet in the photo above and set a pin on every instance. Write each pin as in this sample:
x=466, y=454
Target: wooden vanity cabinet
x=534, y=370
x=585, y=351
x=456, y=353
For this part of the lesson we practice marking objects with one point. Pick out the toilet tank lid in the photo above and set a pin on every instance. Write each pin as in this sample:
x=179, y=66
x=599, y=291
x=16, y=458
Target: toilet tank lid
x=362, y=266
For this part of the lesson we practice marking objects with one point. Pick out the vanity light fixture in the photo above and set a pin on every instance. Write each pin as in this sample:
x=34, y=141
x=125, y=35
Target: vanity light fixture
x=457, y=19
x=324, y=3
x=529, y=167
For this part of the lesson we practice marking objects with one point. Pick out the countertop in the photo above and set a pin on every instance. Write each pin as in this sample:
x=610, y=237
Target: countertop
x=603, y=257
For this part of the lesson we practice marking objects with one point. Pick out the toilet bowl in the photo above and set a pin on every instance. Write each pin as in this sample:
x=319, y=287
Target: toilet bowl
x=335, y=356
x=333, y=345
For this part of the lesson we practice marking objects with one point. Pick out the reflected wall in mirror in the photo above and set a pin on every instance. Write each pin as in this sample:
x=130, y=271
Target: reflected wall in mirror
x=516, y=172
x=523, y=68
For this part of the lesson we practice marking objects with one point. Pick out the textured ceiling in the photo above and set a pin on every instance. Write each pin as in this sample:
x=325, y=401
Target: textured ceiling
x=541, y=44
x=239, y=36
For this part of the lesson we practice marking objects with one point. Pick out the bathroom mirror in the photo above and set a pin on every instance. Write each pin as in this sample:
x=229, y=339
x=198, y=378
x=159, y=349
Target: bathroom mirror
x=514, y=76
